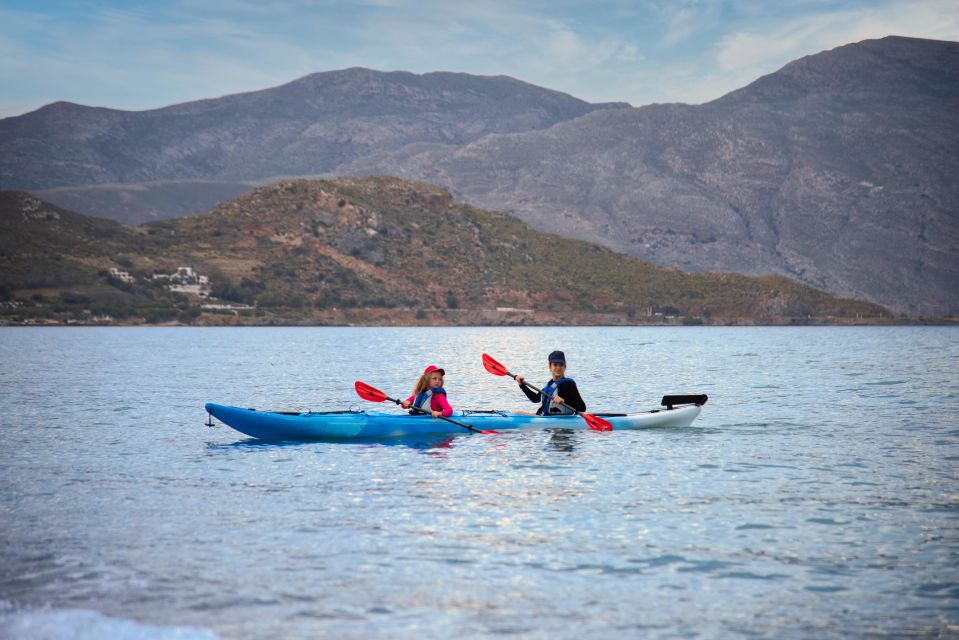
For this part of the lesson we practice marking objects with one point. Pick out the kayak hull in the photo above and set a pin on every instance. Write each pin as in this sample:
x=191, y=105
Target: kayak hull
x=368, y=425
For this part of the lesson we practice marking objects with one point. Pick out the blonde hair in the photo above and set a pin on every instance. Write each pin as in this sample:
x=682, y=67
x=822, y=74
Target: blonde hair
x=423, y=383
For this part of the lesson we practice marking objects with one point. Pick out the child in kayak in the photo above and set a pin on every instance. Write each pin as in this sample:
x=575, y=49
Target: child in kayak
x=561, y=388
x=429, y=393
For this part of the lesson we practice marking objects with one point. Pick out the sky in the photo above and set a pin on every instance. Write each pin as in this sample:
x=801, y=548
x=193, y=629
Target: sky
x=141, y=55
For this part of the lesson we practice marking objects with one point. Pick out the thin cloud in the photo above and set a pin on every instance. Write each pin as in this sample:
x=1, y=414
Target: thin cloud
x=686, y=21
x=771, y=48
x=648, y=51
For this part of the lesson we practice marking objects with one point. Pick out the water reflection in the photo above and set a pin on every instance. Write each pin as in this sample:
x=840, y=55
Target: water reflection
x=563, y=440
x=419, y=443
x=560, y=440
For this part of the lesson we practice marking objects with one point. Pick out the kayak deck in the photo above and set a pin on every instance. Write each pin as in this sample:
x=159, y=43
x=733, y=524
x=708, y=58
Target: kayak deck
x=360, y=425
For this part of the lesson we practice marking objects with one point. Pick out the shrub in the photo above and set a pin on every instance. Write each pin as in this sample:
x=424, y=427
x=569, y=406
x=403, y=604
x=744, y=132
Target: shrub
x=74, y=298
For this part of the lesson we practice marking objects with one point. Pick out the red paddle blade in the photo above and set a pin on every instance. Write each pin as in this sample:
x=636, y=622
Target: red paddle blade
x=367, y=392
x=493, y=366
x=596, y=423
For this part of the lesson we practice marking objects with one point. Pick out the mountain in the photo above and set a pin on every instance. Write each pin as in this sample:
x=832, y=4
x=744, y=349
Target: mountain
x=838, y=170
x=306, y=127
x=364, y=251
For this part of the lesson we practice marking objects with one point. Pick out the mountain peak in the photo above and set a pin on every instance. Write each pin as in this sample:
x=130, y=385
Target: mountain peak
x=306, y=127
x=893, y=64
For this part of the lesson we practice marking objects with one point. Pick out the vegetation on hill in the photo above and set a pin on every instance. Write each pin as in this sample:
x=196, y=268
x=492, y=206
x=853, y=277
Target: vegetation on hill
x=366, y=251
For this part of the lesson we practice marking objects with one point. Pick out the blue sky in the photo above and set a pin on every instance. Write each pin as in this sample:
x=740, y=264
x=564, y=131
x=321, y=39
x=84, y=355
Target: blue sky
x=142, y=55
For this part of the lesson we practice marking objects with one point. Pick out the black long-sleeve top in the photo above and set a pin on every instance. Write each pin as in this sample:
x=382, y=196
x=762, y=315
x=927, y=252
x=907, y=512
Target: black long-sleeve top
x=566, y=390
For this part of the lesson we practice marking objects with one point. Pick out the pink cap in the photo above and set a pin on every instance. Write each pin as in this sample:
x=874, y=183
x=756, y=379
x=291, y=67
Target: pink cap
x=430, y=369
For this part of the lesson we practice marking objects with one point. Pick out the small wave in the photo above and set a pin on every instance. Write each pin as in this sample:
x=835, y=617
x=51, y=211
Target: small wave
x=749, y=575
x=944, y=590
x=659, y=561
x=828, y=521
x=706, y=566
x=83, y=624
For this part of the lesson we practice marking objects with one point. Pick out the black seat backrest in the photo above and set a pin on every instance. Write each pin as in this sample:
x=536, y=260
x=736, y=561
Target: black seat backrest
x=670, y=401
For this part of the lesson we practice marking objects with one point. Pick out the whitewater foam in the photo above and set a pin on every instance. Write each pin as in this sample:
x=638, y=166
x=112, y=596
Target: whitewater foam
x=84, y=624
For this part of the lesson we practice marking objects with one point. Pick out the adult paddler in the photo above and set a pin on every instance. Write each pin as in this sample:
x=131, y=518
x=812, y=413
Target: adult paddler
x=559, y=389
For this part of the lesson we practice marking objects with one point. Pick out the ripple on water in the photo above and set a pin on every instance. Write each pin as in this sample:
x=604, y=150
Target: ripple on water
x=939, y=590
x=705, y=566
x=749, y=575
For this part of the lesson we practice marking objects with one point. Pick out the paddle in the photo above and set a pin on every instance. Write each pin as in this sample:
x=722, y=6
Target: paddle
x=595, y=422
x=373, y=394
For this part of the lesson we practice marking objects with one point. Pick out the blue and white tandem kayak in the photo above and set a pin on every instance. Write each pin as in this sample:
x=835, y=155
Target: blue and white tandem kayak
x=677, y=411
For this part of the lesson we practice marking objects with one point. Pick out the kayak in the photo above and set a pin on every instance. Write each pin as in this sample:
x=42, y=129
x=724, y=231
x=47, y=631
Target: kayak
x=371, y=425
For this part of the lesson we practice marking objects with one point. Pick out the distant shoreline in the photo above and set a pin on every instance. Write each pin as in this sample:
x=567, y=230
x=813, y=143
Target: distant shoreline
x=549, y=321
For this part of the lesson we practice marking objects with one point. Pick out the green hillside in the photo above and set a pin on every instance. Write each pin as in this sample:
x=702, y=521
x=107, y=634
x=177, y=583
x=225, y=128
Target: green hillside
x=370, y=251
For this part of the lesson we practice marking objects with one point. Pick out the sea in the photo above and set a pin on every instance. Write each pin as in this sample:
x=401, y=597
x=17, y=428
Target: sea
x=816, y=496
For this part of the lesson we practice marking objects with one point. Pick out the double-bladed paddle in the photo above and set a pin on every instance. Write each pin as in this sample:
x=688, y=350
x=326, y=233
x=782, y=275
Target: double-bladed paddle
x=373, y=394
x=595, y=422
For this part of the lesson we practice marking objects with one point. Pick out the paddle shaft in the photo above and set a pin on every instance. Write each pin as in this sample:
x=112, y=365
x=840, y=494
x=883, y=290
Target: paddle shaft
x=456, y=422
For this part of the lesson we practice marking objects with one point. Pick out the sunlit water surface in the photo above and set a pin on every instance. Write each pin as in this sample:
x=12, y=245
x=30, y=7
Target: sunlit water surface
x=816, y=495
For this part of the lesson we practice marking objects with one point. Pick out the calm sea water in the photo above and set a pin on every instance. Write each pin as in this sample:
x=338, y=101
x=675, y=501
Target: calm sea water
x=816, y=496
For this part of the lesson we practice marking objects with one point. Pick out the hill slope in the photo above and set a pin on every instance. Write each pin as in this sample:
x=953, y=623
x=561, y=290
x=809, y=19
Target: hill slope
x=377, y=250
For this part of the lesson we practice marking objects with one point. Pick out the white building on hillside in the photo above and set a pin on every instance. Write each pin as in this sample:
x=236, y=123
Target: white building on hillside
x=122, y=276
x=186, y=280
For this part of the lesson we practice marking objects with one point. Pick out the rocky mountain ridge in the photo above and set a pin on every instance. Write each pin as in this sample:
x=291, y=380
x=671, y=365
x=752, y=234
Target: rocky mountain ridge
x=305, y=127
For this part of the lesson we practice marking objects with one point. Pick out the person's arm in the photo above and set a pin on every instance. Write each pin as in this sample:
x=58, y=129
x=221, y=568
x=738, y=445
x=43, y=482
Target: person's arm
x=408, y=402
x=533, y=396
x=570, y=395
x=439, y=400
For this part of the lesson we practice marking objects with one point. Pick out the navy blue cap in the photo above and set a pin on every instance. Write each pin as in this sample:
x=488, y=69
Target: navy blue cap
x=557, y=356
